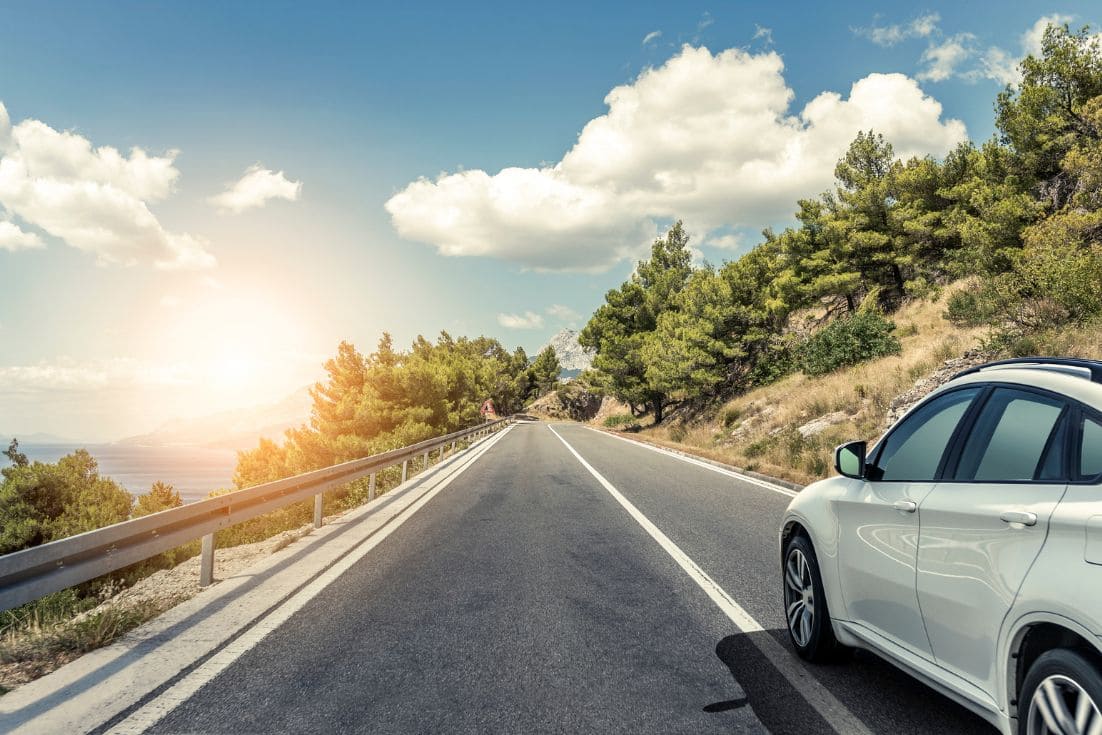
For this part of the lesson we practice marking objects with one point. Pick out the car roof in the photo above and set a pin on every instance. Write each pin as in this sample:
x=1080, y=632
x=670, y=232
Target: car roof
x=1054, y=378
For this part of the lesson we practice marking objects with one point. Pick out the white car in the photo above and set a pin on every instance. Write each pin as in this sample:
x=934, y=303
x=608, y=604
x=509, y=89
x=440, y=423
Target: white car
x=966, y=546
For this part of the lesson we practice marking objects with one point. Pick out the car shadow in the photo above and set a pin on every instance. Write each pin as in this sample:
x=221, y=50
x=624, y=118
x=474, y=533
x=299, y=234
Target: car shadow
x=886, y=699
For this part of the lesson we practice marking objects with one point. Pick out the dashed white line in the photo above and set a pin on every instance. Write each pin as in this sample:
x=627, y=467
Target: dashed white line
x=836, y=714
x=158, y=708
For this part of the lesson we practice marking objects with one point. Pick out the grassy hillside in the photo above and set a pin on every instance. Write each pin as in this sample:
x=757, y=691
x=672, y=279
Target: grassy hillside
x=761, y=430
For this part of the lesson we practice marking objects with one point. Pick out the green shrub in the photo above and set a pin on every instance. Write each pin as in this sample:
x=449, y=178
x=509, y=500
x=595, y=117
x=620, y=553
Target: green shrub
x=678, y=433
x=863, y=336
x=730, y=417
x=620, y=419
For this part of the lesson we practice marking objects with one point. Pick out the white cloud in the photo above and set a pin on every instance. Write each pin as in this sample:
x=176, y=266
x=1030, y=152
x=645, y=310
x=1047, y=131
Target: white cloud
x=563, y=313
x=999, y=65
x=66, y=374
x=1002, y=66
x=943, y=59
x=1032, y=38
x=13, y=238
x=766, y=34
x=94, y=199
x=254, y=189
x=707, y=138
x=729, y=241
x=922, y=26
x=652, y=36
x=705, y=21
x=527, y=320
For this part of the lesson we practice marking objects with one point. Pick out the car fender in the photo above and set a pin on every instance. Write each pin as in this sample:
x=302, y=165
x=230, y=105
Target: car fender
x=814, y=510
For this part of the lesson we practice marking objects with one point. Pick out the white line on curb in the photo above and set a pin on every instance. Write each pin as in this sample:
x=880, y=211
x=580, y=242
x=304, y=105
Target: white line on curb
x=819, y=697
x=699, y=463
x=155, y=710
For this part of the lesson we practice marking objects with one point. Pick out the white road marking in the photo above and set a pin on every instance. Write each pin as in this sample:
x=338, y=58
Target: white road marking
x=706, y=465
x=836, y=714
x=155, y=710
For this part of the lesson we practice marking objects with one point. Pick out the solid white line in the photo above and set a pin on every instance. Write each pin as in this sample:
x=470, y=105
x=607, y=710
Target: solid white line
x=700, y=463
x=155, y=710
x=836, y=714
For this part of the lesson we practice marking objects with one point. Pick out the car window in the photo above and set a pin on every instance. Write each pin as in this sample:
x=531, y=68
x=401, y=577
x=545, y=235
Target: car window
x=1090, y=455
x=914, y=449
x=1009, y=438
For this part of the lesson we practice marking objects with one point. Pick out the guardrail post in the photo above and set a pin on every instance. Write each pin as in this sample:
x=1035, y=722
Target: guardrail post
x=371, y=487
x=426, y=461
x=206, y=561
x=317, y=511
x=453, y=446
x=405, y=469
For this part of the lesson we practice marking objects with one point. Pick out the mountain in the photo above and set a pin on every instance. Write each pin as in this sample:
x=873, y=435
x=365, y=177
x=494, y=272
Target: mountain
x=36, y=438
x=572, y=356
x=237, y=429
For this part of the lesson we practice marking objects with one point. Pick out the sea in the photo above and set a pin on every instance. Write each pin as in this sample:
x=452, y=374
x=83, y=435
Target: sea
x=193, y=471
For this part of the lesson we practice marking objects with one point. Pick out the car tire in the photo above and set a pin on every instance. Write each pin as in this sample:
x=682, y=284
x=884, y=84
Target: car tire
x=805, y=606
x=1053, y=692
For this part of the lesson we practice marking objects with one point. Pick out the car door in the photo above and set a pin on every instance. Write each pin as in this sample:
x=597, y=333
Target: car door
x=982, y=527
x=878, y=525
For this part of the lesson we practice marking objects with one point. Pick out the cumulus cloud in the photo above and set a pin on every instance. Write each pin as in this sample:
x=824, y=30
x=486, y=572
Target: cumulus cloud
x=1032, y=38
x=256, y=187
x=1002, y=66
x=710, y=138
x=922, y=26
x=563, y=313
x=13, y=238
x=943, y=59
x=651, y=37
x=94, y=199
x=527, y=320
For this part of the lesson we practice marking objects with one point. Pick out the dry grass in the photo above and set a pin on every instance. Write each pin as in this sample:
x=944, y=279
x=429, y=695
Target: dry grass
x=758, y=430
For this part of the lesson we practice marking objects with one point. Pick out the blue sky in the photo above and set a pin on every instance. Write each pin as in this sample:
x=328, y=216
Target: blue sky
x=339, y=112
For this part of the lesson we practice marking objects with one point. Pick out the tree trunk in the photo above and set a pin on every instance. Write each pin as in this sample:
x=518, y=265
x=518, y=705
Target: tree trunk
x=897, y=274
x=850, y=307
x=659, y=405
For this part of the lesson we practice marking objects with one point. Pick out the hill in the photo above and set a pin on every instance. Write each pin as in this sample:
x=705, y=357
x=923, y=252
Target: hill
x=789, y=428
x=236, y=429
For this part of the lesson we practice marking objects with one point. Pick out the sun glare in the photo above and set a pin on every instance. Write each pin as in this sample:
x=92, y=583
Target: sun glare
x=232, y=370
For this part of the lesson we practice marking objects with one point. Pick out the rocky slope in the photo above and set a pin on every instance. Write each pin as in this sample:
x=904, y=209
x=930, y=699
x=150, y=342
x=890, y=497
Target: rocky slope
x=572, y=356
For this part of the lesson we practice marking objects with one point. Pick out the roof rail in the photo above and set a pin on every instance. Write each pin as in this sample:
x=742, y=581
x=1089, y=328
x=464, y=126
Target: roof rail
x=1093, y=367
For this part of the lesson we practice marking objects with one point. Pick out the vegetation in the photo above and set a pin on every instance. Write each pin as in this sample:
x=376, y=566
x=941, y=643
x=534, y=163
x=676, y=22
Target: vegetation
x=1022, y=213
x=849, y=341
x=392, y=399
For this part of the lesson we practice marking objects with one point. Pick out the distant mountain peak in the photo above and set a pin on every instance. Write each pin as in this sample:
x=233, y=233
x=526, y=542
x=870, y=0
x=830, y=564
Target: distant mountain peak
x=572, y=356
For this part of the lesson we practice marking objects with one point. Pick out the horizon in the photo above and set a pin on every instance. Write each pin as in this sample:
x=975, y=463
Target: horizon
x=197, y=232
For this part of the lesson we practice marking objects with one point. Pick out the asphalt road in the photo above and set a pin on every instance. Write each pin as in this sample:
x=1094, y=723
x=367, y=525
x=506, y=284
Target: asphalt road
x=524, y=598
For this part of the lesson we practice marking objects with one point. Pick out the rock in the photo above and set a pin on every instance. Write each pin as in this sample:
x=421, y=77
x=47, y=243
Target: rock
x=926, y=385
x=572, y=402
x=573, y=358
x=821, y=424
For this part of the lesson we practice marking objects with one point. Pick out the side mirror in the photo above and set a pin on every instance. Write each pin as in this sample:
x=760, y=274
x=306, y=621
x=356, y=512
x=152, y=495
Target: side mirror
x=849, y=460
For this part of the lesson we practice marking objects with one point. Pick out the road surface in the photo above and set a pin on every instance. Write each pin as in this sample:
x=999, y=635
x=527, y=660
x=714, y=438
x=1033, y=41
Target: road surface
x=560, y=583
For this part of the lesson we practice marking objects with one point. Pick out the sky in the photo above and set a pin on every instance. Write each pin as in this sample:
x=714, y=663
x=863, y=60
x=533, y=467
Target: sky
x=199, y=201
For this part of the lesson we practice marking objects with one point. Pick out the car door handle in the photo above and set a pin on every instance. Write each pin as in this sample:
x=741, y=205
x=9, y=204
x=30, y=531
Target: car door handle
x=1019, y=516
x=907, y=506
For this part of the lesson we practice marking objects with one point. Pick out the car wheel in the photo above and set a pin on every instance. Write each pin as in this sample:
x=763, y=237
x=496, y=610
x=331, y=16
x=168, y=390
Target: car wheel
x=805, y=607
x=1061, y=694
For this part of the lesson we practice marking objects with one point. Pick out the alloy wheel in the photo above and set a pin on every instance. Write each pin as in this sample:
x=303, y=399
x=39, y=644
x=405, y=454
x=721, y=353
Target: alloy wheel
x=1061, y=707
x=799, y=597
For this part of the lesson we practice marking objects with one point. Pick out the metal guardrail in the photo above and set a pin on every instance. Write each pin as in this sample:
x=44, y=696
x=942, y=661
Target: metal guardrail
x=31, y=573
